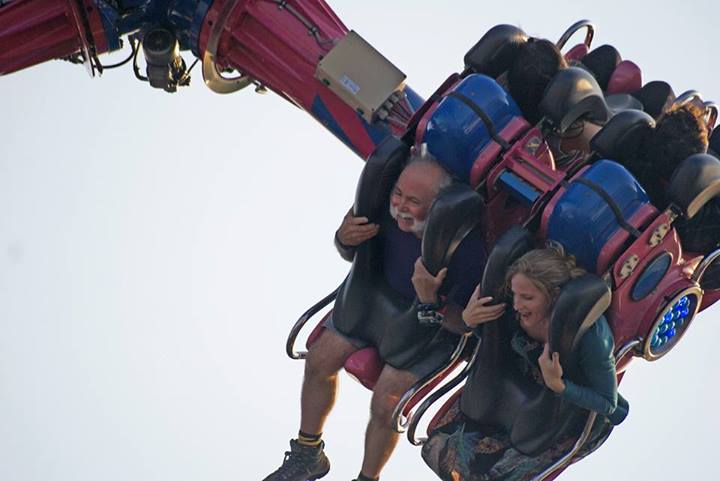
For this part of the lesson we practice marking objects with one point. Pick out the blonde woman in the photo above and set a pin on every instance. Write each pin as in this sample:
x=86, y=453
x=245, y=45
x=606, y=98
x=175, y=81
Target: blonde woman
x=463, y=450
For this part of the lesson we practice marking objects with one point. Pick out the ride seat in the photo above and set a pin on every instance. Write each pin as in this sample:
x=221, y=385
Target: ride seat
x=571, y=94
x=621, y=138
x=366, y=306
x=656, y=96
x=494, y=53
x=626, y=78
x=502, y=396
x=602, y=62
x=613, y=74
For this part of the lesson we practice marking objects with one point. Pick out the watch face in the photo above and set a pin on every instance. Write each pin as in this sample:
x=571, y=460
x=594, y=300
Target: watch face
x=429, y=317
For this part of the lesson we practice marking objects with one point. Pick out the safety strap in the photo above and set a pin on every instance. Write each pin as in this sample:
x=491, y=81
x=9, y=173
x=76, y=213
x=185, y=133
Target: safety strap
x=612, y=204
x=489, y=125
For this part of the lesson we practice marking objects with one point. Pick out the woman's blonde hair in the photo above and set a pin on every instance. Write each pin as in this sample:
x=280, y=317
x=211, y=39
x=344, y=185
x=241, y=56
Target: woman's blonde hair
x=548, y=269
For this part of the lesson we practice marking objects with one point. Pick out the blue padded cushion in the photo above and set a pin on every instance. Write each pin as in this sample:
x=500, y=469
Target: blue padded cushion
x=455, y=134
x=582, y=221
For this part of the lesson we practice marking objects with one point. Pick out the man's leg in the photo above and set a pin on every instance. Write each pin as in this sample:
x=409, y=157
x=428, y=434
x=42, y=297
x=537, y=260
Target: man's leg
x=306, y=459
x=325, y=359
x=380, y=439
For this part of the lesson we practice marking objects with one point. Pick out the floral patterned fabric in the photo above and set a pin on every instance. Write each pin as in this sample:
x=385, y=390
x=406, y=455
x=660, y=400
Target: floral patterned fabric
x=462, y=450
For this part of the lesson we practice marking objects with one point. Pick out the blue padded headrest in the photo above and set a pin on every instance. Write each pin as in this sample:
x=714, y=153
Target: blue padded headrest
x=583, y=221
x=463, y=123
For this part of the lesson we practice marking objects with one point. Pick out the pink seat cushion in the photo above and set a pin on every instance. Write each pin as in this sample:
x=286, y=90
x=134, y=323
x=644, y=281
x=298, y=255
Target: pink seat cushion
x=315, y=334
x=365, y=366
x=577, y=52
x=626, y=78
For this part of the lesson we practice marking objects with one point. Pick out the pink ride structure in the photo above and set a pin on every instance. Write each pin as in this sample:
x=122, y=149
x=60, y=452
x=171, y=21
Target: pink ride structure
x=303, y=52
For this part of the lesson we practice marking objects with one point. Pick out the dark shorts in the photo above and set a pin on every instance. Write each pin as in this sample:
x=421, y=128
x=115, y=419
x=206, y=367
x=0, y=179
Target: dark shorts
x=434, y=358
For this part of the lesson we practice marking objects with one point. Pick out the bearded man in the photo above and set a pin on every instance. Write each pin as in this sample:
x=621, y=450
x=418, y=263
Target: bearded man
x=400, y=234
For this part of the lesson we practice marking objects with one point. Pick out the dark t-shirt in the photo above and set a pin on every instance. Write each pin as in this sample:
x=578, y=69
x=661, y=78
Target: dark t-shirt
x=401, y=250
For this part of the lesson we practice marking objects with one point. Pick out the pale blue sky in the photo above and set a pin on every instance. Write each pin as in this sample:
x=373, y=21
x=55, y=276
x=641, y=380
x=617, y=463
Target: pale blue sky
x=156, y=248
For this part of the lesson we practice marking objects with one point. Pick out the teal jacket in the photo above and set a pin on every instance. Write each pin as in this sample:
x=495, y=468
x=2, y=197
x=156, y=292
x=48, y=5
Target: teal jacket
x=597, y=362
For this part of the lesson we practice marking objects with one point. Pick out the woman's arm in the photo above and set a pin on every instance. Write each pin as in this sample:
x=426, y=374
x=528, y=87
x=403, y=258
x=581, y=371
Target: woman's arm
x=598, y=366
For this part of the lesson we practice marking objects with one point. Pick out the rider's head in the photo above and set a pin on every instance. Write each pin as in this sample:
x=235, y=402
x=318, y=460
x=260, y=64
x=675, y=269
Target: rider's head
x=415, y=191
x=681, y=132
x=538, y=60
x=535, y=280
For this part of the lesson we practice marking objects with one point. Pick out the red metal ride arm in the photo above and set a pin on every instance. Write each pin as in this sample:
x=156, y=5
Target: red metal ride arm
x=279, y=44
x=34, y=31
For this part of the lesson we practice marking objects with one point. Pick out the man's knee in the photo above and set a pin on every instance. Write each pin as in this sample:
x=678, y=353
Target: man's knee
x=327, y=355
x=390, y=387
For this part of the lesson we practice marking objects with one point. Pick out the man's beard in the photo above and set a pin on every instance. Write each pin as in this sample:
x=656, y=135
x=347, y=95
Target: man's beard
x=417, y=227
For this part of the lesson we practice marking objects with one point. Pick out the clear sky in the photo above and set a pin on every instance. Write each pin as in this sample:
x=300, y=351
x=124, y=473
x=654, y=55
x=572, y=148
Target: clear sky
x=155, y=249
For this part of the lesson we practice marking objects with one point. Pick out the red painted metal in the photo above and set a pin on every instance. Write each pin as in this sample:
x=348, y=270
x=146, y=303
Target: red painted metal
x=612, y=249
x=34, y=31
x=629, y=318
x=490, y=154
x=269, y=44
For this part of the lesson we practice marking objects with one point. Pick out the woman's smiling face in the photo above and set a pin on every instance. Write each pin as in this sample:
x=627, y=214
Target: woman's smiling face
x=530, y=303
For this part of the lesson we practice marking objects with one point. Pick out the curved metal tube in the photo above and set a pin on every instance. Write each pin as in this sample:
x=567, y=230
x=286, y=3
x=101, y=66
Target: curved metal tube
x=574, y=28
x=693, y=96
x=401, y=422
x=213, y=78
x=565, y=460
x=420, y=411
x=687, y=96
x=711, y=112
x=706, y=262
x=562, y=462
x=307, y=315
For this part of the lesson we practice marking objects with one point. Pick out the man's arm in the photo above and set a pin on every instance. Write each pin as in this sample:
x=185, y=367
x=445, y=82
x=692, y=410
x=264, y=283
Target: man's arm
x=426, y=288
x=352, y=232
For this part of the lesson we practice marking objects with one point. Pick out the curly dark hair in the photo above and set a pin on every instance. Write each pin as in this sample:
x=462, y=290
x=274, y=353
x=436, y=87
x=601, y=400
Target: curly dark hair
x=537, y=61
x=680, y=133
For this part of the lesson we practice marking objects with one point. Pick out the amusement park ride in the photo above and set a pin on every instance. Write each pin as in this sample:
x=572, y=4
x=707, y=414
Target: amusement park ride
x=303, y=52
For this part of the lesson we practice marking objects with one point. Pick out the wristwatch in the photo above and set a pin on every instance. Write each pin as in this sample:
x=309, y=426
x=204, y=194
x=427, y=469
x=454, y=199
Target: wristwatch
x=429, y=314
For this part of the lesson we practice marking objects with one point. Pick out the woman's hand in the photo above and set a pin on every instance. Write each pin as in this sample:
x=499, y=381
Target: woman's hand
x=426, y=285
x=551, y=370
x=355, y=230
x=479, y=312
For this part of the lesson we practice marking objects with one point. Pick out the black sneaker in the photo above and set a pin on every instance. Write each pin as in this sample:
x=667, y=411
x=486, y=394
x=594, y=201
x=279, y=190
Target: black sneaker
x=302, y=463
